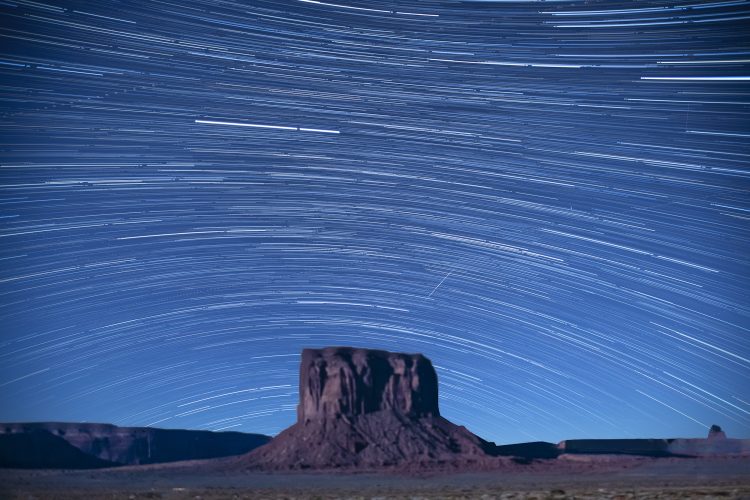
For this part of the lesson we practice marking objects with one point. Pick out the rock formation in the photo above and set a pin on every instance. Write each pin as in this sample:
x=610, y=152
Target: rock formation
x=344, y=381
x=716, y=444
x=642, y=447
x=358, y=408
x=40, y=449
x=84, y=445
x=715, y=432
x=367, y=408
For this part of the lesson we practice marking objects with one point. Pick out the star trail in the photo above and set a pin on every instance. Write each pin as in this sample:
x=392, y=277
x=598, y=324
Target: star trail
x=547, y=199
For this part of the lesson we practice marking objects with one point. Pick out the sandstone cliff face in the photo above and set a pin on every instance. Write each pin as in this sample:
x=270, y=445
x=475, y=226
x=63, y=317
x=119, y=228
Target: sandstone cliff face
x=345, y=381
x=367, y=408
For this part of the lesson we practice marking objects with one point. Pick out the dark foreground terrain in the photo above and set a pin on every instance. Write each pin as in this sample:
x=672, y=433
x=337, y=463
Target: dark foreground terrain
x=608, y=477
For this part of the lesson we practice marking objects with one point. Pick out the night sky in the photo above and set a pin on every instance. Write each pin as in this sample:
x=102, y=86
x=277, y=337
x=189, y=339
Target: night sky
x=547, y=199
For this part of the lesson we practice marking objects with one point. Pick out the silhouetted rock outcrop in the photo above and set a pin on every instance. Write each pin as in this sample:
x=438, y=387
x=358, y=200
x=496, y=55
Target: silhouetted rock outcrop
x=83, y=445
x=367, y=408
x=643, y=447
x=536, y=449
x=715, y=432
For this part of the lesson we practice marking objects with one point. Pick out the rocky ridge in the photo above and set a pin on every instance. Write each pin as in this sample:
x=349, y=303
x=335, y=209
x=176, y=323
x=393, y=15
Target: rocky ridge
x=91, y=445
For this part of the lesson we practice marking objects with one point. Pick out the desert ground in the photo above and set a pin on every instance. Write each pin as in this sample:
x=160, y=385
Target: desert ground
x=568, y=477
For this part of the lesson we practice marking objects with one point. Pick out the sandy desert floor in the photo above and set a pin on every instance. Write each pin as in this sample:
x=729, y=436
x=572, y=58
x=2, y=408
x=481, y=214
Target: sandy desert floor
x=614, y=478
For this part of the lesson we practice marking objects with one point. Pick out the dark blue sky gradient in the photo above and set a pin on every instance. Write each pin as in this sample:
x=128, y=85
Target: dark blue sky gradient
x=548, y=199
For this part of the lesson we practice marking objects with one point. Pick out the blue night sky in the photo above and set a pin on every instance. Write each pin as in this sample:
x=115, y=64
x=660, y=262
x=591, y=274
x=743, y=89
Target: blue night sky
x=548, y=199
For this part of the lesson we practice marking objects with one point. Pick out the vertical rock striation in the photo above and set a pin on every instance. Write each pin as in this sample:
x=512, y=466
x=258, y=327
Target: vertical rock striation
x=367, y=408
x=341, y=381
